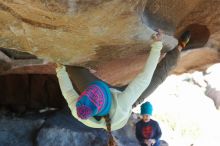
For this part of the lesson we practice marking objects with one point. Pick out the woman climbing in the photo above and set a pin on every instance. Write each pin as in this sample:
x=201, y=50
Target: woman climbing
x=99, y=100
x=82, y=77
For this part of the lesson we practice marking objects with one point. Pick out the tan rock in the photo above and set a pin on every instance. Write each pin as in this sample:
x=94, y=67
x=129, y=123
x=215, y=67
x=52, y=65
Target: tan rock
x=102, y=35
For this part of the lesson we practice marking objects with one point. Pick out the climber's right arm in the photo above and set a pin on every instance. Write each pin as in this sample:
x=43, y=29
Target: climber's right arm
x=66, y=87
x=71, y=97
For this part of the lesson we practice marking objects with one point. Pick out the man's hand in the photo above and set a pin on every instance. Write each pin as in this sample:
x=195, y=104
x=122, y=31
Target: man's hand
x=147, y=142
x=150, y=142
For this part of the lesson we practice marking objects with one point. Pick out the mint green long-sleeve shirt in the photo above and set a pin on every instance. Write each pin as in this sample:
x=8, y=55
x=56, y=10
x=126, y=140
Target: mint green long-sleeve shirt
x=121, y=101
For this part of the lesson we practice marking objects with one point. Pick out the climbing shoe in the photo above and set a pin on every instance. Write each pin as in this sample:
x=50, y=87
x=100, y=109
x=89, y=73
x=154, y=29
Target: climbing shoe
x=184, y=39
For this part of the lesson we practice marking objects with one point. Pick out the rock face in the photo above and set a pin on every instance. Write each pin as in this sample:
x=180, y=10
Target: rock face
x=57, y=129
x=199, y=59
x=17, y=131
x=73, y=32
x=213, y=84
x=102, y=35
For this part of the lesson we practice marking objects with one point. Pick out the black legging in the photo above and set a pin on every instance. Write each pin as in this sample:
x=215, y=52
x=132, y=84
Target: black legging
x=160, y=74
x=82, y=77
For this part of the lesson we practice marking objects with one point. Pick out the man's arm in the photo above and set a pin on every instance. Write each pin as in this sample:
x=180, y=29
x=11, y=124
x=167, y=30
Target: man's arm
x=158, y=133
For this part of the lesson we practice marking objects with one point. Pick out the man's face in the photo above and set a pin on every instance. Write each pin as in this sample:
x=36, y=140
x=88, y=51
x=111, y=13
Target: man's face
x=146, y=118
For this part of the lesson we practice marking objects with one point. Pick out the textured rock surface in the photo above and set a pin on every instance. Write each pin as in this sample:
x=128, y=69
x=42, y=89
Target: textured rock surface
x=199, y=59
x=62, y=129
x=213, y=84
x=18, y=131
x=74, y=32
x=102, y=35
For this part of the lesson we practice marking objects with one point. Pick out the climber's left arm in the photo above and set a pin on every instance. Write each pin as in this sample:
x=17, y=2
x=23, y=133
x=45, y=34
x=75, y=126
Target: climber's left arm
x=140, y=83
